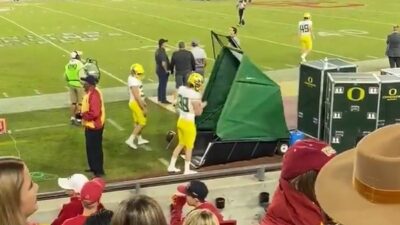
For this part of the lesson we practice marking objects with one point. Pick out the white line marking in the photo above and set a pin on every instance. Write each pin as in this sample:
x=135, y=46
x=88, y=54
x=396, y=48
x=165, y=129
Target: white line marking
x=197, y=26
x=290, y=65
x=163, y=161
x=151, y=80
x=5, y=94
x=66, y=87
x=37, y=92
x=41, y=127
x=146, y=148
x=55, y=45
x=262, y=20
x=372, y=57
x=267, y=67
x=115, y=124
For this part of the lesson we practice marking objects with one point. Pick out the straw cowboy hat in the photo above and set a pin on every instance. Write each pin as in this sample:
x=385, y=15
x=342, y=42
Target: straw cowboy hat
x=362, y=186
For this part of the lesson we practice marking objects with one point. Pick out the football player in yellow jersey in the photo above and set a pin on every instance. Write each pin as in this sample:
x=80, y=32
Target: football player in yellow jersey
x=137, y=105
x=306, y=35
x=189, y=105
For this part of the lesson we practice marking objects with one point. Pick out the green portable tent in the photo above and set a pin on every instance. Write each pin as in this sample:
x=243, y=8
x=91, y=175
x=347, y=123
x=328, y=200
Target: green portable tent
x=243, y=103
x=217, y=89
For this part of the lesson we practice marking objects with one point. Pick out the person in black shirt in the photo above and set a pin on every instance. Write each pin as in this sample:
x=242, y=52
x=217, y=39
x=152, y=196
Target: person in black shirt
x=162, y=65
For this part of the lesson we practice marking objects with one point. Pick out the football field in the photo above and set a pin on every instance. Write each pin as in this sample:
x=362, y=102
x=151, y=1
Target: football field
x=37, y=36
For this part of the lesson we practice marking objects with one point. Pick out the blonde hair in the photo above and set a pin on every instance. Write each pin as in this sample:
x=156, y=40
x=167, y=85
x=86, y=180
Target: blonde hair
x=11, y=180
x=201, y=217
x=139, y=210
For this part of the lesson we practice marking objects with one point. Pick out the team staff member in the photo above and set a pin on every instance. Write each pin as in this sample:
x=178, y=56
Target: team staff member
x=190, y=105
x=241, y=7
x=137, y=105
x=162, y=70
x=93, y=117
x=393, y=47
x=182, y=61
x=306, y=35
x=200, y=57
x=73, y=69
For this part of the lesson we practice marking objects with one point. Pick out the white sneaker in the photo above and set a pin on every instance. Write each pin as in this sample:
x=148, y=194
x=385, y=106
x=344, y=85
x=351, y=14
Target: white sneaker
x=189, y=172
x=142, y=141
x=130, y=144
x=173, y=169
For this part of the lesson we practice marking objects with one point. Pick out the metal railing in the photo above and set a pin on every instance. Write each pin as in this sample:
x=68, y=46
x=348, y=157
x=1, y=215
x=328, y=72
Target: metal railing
x=258, y=170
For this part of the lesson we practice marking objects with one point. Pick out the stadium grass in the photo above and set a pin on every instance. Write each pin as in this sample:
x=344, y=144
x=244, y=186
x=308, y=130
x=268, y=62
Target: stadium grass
x=129, y=29
x=60, y=151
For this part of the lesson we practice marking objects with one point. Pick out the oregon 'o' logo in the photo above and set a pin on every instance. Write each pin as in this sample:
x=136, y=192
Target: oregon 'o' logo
x=310, y=80
x=356, y=94
x=392, y=91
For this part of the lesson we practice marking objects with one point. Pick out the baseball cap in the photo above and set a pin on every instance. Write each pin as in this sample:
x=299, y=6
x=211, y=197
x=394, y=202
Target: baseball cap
x=195, y=189
x=74, y=54
x=162, y=41
x=90, y=79
x=92, y=190
x=75, y=182
x=195, y=42
x=305, y=155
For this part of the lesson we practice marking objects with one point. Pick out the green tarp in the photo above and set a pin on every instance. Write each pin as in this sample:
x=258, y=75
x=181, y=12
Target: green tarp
x=243, y=103
x=217, y=90
x=254, y=107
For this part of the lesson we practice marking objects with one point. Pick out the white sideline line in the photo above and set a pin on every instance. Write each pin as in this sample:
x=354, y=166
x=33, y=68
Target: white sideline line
x=37, y=92
x=108, y=26
x=202, y=27
x=151, y=80
x=66, y=87
x=146, y=148
x=55, y=45
x=163, y=161
x=267, y=67
x=5, y=94
x=40, y=127
x=290, y=65
x=371, y=57
x=115, y=124
x=264, y=21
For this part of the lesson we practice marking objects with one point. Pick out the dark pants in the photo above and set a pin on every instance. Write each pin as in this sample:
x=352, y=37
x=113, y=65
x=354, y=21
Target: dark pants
x=181, y=79
x=394, y=62
x=94, y=150
x=162, y=85
x=241, y=20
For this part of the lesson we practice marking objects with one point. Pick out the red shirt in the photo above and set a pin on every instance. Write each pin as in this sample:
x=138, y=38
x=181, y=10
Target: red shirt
x=179, y=202
x=69, y=210
x=78, y=220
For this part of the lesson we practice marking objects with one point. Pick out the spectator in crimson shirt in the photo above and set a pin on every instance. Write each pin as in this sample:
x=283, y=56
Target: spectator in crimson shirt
x=194, y=194
x=73, y=186
x=90, y=198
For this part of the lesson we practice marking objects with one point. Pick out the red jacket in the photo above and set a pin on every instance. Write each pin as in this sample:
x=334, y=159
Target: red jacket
x=93, y=113
x=69, y=210
x=77, y=220
x=291, y=207
x=180, y=201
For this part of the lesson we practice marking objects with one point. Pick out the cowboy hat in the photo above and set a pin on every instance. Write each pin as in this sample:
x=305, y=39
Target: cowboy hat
x=362, y=186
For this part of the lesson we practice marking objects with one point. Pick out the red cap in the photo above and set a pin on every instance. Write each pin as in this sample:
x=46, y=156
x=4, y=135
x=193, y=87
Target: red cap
x=304, y=156
x=93, y=190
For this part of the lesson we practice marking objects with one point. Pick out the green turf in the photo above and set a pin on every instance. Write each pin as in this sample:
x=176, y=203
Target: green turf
x=128, y=30
x=61, y=152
